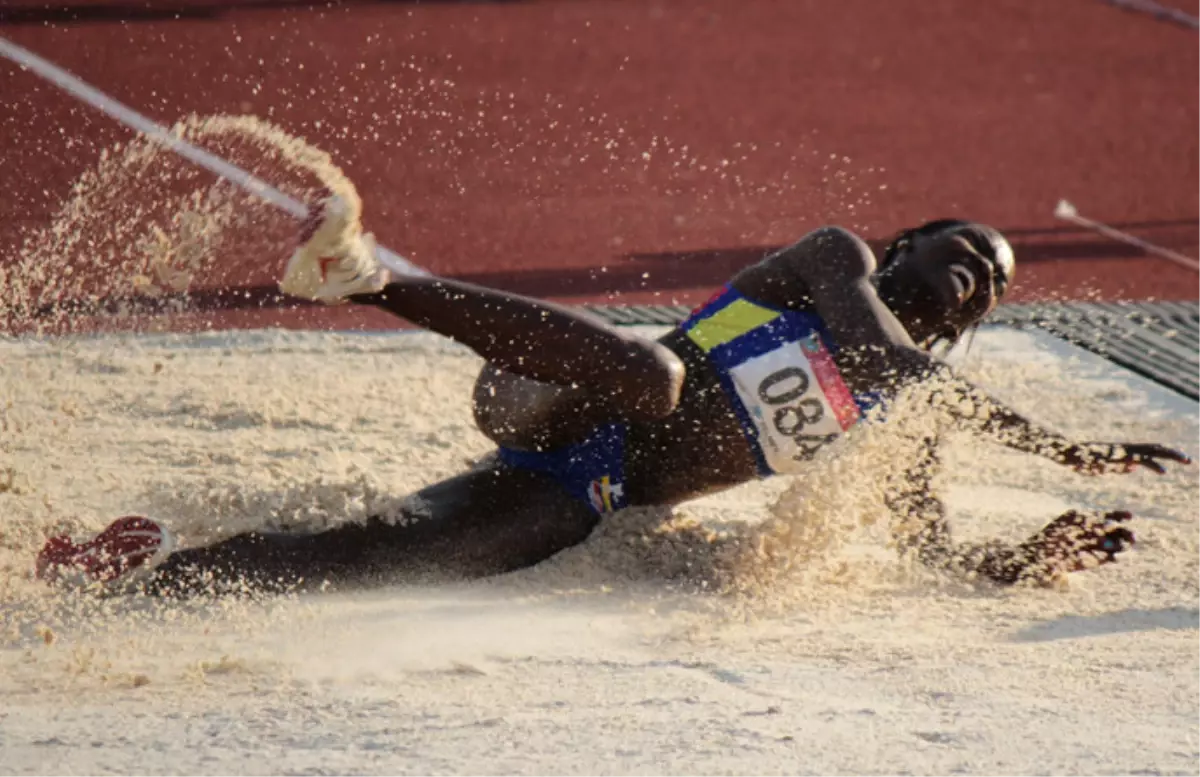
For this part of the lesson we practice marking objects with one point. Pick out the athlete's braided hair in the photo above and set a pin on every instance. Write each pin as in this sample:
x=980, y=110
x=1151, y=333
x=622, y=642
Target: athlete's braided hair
x=902, y=240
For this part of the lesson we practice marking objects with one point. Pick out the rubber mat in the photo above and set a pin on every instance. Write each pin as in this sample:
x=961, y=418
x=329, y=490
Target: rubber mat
x=1158, y=340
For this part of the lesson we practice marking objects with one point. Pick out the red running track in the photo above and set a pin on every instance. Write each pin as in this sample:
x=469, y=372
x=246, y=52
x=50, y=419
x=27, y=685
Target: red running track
x=642, y=151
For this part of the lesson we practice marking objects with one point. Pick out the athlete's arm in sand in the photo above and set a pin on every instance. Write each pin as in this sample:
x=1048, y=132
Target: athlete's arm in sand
x=974, y=409
x=1072, y=542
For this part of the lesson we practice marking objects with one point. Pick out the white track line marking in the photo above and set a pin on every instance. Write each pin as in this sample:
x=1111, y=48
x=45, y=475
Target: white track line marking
x=83, y=91
x=1158, y=11
x=1067, y=212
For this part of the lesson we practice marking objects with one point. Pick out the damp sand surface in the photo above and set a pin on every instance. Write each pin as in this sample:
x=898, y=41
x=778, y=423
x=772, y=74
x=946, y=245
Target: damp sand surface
x=648, y=649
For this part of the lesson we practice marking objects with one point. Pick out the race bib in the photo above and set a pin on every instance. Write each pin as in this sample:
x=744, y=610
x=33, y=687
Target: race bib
x=796, y=400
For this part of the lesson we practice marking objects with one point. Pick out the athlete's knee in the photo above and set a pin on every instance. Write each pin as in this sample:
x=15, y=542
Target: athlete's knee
x=655, y=391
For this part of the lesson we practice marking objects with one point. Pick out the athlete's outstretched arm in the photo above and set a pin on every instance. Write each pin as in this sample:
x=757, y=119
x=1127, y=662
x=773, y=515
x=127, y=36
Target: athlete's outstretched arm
x=542, y=341
x=978, y=411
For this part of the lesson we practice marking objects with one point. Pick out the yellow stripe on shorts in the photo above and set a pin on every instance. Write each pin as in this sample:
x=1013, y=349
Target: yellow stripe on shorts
x=732, y=321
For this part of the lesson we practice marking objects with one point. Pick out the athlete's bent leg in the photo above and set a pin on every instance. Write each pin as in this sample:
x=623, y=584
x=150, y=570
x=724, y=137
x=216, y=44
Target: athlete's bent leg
x=542, y=340
x=482, y=523
x=335, y=262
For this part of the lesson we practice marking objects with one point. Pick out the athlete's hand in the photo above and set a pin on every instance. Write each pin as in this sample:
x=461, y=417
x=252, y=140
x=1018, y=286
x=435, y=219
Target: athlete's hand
x=1074, y=542
x=1099, y=458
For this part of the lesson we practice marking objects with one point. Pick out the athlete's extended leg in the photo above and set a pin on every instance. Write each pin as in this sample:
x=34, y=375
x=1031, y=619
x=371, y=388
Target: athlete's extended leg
x=549, y=343
x=485, y=522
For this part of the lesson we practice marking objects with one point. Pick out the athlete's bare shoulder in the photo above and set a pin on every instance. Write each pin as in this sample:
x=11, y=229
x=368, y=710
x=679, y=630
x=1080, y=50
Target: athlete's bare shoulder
x=831, y=251
x=827, y=257
x=828, y=271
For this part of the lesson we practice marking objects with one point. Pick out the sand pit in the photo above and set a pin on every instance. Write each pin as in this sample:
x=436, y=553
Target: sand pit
x=610, y=658
x=768, y=629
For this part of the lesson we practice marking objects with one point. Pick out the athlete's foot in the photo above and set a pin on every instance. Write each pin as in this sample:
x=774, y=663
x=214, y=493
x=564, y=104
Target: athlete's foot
x=335, y=259
x=122, y=553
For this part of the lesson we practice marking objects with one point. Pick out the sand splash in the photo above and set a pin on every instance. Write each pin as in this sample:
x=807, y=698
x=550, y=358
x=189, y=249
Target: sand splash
x=222, y=433
x=140, y=233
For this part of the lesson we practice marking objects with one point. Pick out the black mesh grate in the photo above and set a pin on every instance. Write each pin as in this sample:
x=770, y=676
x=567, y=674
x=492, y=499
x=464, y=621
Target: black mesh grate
x=1158, y=340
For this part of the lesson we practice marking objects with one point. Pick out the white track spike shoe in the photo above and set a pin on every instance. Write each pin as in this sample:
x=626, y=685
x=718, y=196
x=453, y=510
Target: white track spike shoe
x=335, y=259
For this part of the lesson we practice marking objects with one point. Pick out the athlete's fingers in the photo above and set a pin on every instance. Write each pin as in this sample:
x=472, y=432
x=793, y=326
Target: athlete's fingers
x=1149, y=450
x=1152, y=464
x=1097, y=458
x=1117, y=516
x=1163, y=452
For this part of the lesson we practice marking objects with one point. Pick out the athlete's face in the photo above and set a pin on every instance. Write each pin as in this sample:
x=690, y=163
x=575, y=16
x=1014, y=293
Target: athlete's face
x=952, y=278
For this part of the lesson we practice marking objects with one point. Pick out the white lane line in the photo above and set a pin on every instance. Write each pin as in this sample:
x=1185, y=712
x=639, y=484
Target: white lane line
x=1067, y=212
x=85, y=92
x=1158, y=11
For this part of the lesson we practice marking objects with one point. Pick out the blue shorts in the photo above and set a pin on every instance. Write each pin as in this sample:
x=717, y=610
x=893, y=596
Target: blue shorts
x=592, y=470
